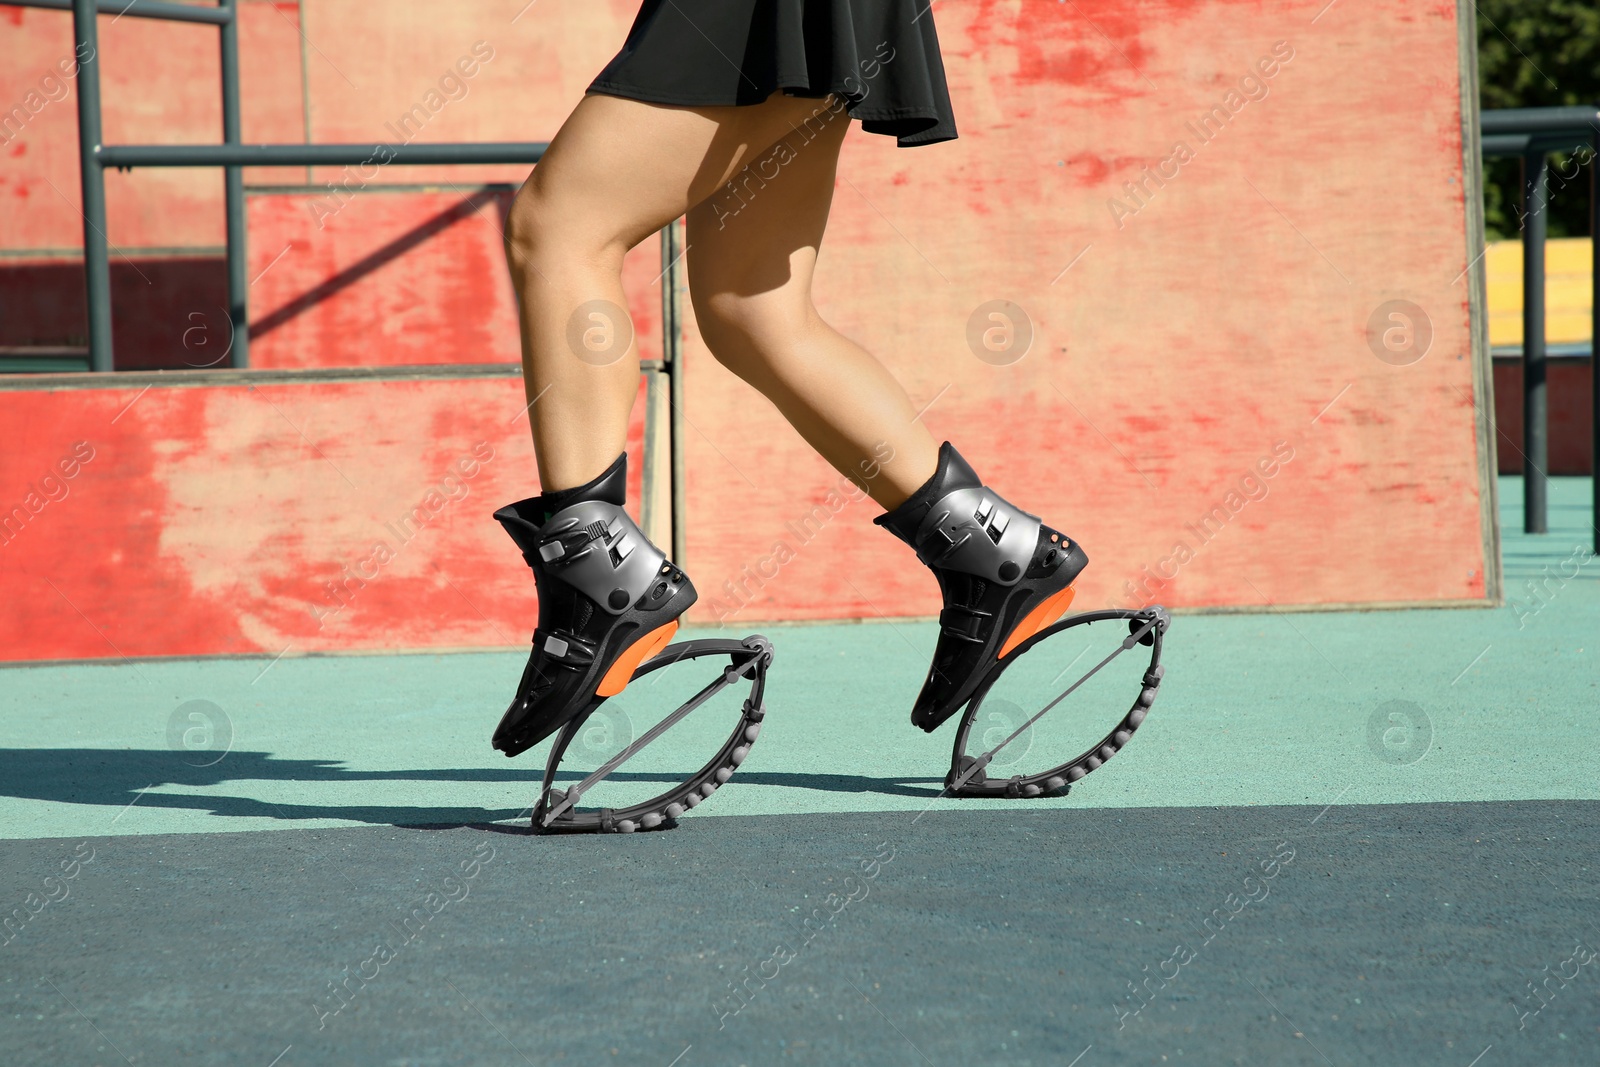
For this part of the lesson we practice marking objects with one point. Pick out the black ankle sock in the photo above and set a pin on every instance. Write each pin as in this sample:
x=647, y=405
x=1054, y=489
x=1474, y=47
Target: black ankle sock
x=610, y=486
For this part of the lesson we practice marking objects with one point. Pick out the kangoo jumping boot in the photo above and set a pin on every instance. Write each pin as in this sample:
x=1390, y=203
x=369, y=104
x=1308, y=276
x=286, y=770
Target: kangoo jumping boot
x=1004, y=575
x=608, y=600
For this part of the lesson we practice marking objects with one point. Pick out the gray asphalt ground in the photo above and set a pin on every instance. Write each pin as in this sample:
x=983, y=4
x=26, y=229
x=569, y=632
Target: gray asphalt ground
x=1403, y=934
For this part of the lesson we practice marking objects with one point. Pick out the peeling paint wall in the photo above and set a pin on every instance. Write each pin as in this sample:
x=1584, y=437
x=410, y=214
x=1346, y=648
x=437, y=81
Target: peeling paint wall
x=1235, y=313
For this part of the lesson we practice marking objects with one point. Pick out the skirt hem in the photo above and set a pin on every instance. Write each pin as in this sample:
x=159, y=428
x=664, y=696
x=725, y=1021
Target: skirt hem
x=736, y=53
x=927, y=120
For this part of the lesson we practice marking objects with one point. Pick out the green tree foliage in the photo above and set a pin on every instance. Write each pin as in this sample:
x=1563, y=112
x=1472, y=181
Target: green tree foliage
x=1538, y=53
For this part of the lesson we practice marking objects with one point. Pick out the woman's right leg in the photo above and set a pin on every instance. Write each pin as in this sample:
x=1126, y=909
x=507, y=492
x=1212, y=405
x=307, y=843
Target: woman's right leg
x=617, y=172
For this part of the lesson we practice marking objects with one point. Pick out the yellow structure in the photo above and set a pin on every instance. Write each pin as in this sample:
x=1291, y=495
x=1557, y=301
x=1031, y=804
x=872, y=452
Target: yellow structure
x=1568, y=262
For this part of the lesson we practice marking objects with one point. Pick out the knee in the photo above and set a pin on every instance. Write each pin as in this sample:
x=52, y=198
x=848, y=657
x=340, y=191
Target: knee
x=527, y=229
x=541, y=236
x=747, y=333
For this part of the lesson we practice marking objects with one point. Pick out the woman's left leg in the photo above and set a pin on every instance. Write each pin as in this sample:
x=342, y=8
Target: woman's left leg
x=1003, y=574
x=752, y=253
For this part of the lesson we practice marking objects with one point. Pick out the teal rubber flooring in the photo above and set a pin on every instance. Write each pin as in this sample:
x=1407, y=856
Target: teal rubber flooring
x=335, y=868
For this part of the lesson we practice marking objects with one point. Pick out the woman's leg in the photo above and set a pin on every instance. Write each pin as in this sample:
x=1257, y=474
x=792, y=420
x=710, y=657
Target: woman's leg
x=617, y=171
x=752, y=253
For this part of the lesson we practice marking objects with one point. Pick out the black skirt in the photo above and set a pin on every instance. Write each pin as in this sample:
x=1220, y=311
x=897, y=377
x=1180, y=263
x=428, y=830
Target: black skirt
x=881, y=56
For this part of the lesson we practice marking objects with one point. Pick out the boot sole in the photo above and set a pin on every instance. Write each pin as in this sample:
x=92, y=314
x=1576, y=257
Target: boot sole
x=621, y=672
x=1046, y=613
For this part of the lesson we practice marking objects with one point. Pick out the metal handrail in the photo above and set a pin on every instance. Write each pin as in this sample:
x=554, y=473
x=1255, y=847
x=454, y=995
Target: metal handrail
x=298, y=155
x=1532, y=133
x=232, y=155
x=144, y=9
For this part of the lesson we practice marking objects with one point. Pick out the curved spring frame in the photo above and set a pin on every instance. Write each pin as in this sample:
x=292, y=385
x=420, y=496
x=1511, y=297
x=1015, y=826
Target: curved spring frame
x=967, y=776
x=556, y=811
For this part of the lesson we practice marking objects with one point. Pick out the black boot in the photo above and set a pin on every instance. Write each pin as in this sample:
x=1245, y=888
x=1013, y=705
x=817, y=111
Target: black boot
x=608, y=599
x=1004, y=575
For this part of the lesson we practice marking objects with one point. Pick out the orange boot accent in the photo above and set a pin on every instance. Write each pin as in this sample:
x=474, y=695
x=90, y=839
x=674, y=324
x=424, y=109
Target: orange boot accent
x=621, y=672
x=1054, y=606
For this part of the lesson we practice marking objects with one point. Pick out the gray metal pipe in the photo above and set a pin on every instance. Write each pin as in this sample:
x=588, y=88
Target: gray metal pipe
x=233, y=197
x=138, y=9
x=1594, y=340
x=96, y=263
x=1505, y=144
x=1520, y=144
x=1535, y=409
x=1579, y=121
x=672, y=355
x=305, y=155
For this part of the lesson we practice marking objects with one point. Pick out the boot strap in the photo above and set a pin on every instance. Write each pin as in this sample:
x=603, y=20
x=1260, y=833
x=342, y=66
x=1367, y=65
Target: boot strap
x=564, y=647
x=974, y=531
x=965, y=624
x=597, y=549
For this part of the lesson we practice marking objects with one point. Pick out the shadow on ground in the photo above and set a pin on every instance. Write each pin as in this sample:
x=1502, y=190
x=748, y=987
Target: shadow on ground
x=123, y=777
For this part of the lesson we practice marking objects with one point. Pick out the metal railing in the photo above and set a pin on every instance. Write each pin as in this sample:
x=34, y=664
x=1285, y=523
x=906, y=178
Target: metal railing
x=232, y=155
x=1531, y=134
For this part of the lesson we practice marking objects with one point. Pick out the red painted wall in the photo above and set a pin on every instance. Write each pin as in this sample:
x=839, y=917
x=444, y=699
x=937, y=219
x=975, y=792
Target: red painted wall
x=400, y=278
x=228, y=519
x=1227, y=313
x=1182, y=343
